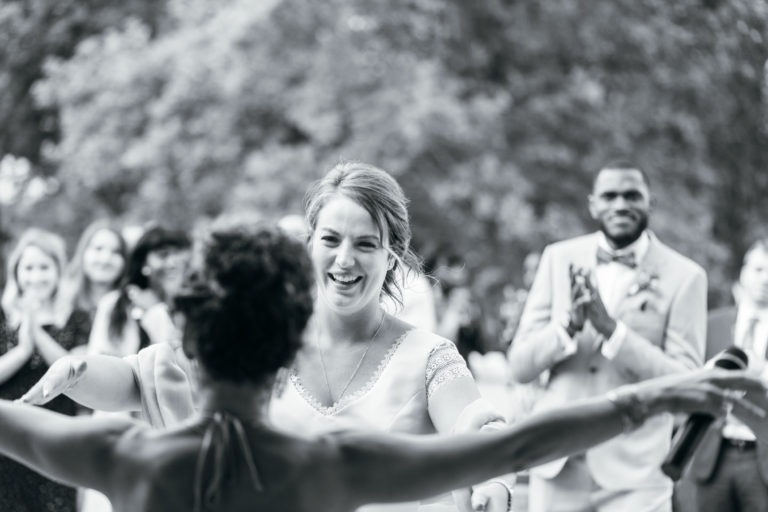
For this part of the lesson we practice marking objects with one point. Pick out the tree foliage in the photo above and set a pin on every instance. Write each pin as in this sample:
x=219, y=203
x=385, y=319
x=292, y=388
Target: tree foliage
x=493, y=115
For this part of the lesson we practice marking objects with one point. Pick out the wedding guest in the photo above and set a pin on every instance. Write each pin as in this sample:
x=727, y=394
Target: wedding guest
x=729, y=471
x=228, y=457
x=605, y=309
x=96, y=267
x=36, y=332
x=136, y=314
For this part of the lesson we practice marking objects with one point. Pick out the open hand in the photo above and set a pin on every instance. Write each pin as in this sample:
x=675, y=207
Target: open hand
x=61, y=376
x=751, y=399
x=714, y=391
x=595, y=310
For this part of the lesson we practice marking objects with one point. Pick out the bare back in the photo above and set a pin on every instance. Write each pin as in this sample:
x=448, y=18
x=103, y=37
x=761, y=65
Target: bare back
x=157, y=471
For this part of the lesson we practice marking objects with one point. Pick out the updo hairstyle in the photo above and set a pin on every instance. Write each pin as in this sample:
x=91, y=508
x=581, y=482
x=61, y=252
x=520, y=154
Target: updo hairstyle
x=248, y=305
x=383, y=198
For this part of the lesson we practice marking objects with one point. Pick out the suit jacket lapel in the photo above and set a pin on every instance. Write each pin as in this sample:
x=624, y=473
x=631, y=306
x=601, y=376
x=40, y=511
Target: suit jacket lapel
x=647, y=271
x=587, y=257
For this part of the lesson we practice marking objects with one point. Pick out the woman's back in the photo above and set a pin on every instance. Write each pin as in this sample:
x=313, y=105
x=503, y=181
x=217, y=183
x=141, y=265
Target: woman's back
x=169, y=471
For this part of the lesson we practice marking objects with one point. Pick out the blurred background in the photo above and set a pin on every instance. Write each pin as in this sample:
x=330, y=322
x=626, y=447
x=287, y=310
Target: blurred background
x=493, y=115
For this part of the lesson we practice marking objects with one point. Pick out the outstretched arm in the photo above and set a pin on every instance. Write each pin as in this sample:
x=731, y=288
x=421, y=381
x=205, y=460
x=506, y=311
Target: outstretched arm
x=77, y=451
x=104, y=383
x=408, y=468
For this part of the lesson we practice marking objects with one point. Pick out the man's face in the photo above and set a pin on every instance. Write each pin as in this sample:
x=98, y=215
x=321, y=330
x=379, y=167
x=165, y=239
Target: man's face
x=754, y=277
x=621, y=203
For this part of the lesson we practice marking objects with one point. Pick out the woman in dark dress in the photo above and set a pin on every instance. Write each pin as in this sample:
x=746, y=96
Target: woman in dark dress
x=33, y=334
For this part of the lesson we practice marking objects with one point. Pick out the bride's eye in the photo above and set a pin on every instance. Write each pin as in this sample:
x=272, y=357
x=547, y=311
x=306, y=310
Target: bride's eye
x=329, y=240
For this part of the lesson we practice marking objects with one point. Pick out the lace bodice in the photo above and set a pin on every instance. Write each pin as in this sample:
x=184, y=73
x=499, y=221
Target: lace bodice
x=396, y=398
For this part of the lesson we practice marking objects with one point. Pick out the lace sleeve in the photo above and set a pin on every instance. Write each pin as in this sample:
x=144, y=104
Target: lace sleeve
x=444, y=365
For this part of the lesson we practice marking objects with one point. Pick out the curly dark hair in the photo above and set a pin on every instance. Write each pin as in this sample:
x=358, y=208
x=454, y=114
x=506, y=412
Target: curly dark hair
x=248, y=306
x=154, y=239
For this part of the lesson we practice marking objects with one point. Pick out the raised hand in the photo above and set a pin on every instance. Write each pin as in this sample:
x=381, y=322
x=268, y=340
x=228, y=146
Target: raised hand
x=580, y=297
x=61, y=376
x=27, y=332
x=142, y=298
x=595, y=311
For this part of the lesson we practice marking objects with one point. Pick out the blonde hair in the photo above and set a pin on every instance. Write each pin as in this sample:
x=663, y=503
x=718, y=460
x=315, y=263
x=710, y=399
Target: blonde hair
x=55, y=248
x=76, y=290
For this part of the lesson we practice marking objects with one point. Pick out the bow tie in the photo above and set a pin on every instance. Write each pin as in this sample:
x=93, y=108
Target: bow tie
x=627, y=258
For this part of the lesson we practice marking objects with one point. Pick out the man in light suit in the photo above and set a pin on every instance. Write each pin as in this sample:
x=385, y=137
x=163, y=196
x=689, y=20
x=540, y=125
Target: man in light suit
x=639, y=313
x=729, y=471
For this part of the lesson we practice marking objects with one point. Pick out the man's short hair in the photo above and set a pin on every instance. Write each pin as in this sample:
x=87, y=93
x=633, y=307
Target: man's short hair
x=622, y=164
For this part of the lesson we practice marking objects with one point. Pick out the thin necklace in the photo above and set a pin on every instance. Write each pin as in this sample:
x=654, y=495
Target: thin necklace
x=357, y=367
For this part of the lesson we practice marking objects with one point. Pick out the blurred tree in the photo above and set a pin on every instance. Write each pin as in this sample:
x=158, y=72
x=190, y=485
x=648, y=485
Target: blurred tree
x=30, y=32
x=493, y=115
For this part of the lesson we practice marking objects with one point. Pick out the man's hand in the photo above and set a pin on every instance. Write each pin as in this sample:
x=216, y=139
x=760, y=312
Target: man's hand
x=595, y=311
x=580, y=296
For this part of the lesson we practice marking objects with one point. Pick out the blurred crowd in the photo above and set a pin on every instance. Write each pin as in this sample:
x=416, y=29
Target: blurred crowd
x=586, y=318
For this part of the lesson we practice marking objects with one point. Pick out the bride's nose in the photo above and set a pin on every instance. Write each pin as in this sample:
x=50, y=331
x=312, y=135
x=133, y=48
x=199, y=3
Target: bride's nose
x=345, y=256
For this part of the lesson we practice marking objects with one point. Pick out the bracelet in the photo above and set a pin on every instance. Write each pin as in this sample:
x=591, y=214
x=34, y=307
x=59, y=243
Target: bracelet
x=510, y=491
x=632, y=410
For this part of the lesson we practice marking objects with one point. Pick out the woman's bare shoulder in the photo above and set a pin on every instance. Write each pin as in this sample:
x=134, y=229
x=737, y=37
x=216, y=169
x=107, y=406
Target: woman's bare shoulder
x=160, y=471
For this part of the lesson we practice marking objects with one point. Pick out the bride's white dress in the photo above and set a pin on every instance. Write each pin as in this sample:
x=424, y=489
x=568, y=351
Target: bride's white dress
x=395, y=399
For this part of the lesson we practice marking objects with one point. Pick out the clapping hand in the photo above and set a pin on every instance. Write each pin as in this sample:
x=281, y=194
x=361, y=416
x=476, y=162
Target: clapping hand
x=61, y=376
x=27, y=331
x=142, y=298
x=580, y=297
x=595, y=310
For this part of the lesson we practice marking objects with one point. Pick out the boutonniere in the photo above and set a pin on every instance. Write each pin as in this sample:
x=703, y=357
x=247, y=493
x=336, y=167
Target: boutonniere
x=646, y=280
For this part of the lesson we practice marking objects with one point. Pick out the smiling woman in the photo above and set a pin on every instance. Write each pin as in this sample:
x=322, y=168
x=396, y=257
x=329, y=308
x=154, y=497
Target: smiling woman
x=96, y=267
x=361, y=367
x=37, y=333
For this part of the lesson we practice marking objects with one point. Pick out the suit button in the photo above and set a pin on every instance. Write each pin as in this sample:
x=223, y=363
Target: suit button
x=593, y=369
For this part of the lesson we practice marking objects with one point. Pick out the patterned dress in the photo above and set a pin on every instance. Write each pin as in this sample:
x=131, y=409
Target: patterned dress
x=21, y=489
x=395, y=399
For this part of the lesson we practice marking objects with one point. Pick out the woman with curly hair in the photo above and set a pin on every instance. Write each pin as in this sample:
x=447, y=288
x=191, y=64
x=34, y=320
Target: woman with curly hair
x=244, y=313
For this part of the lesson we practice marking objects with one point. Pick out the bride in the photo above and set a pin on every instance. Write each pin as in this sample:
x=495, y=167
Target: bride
x=244, y=316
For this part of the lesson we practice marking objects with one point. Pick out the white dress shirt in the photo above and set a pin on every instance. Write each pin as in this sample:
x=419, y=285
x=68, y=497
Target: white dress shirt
x=756, y=351
x=613, y=283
